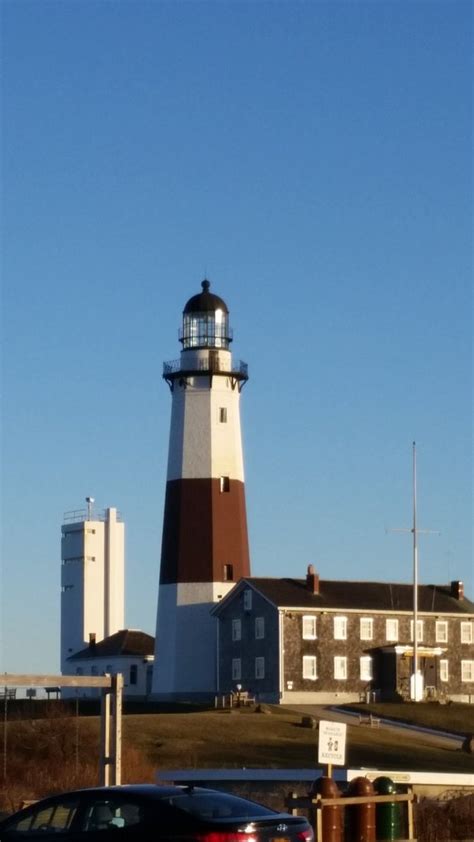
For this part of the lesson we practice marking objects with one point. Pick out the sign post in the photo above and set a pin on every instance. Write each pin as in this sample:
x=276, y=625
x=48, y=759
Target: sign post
x=332, y=744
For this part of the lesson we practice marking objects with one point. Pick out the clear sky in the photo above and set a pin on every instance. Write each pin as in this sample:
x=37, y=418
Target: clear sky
x=314, y=161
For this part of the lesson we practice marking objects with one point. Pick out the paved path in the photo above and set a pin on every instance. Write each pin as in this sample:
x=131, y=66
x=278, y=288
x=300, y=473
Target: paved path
x=441, y=739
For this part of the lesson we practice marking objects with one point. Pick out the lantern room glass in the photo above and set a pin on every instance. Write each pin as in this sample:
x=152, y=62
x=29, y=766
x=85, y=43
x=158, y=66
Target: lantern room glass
x=206, y=330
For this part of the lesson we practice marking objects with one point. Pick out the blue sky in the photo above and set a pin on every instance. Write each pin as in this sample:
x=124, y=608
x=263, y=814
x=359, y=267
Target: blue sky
x=314, y=161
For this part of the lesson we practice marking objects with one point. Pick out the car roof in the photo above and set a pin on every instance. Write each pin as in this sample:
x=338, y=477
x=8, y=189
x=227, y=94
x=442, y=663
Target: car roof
x=147, y=790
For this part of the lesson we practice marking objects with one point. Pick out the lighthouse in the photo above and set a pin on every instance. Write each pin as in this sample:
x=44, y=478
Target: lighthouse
x=205, y=542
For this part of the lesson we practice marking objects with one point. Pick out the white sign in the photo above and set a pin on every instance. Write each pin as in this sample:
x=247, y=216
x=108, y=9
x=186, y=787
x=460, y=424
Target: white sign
x=332, y=742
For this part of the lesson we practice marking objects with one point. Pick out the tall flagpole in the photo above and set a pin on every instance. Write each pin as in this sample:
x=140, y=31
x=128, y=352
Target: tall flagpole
x=415, y=692
x=416, y=683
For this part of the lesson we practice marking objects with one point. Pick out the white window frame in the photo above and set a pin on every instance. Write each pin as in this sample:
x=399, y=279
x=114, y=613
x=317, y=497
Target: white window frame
x=340, y=667
x=340, y=628
x=419, y=631
x=309, y=627
x=237, y=629
x=441, y=631
x=466, y=632
x=392, y=623
x=259, y=628
x=260, y=667
x=236, y=669
x=366, y=628
x=310, y=667
x=467, y=671
x=366, y=668
x=444, y=669
x=247, y=599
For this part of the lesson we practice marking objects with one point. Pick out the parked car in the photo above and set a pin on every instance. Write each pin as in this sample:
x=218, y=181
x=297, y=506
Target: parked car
x=144, y=812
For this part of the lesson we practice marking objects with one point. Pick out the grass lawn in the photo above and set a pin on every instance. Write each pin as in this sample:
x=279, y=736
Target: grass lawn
x=247, y=739
x=455, y=718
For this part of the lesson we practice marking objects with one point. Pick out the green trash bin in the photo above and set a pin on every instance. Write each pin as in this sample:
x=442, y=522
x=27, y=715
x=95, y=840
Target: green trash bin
x=388, y=816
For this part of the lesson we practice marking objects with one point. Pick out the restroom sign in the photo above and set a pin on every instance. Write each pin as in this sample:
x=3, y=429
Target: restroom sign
x=332, y=742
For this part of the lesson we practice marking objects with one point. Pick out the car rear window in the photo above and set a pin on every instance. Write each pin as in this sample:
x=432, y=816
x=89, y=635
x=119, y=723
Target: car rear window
x=217, y=805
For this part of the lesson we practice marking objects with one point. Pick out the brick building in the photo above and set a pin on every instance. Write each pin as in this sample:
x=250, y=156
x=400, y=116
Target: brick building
x=318, y=642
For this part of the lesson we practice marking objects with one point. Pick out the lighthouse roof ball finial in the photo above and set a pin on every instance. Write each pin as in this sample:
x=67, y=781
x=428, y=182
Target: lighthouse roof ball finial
x=205, y=321
x=205, y=301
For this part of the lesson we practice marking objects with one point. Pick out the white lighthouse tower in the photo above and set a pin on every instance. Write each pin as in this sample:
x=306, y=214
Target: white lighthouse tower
x=205, y=543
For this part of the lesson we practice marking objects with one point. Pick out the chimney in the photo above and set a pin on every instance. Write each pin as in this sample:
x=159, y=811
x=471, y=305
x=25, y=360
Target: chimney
x=92, y=640
x=312, y=580
x=457, y=589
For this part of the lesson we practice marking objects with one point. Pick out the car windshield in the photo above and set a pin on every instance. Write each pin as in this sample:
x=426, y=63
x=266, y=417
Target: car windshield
x=216, y=805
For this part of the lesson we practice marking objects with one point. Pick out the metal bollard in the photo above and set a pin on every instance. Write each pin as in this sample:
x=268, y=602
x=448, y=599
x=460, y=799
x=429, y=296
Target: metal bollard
x=388, y=816
x=331, y=820
x=360, y=825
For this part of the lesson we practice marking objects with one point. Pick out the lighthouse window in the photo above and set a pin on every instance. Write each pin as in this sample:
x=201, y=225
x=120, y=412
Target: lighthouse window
x=223, y=415
x=224, y=484
x=228, y=573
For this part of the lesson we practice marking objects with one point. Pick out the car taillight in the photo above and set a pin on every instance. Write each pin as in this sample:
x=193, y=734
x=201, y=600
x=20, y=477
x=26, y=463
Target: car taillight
x=306, y=835
x=236, y=836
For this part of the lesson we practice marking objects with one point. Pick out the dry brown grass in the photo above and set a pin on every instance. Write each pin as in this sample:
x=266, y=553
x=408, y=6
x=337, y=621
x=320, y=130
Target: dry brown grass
x=58, y=753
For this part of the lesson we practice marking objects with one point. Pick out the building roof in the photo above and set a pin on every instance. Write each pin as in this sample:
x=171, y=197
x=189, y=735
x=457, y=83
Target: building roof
x=125, y=643
x=363, y=596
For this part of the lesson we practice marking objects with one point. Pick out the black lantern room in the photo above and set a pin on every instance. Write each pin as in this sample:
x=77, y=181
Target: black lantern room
x=205, y=321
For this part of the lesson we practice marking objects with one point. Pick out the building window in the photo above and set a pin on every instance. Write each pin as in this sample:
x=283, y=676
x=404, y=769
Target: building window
x=66, y=588
x=340, y=628
x=467, y=670
x=366, y=628
x=259, y=628
x=419, y=631
x=466, y=632
x=441, y=631
x=94, y=670
x=223, y=415
x=224, y=484
x=391, y=629
x=309, y=667
x=236, y=629
x=108, y=669
x=366, y=668
x=309, y=627
x=443, y=670
x=247, y=599
x=259, y=667
x=340, y=667
x=236, y=669
x=228, y=573
x=79, y=671
x=133, y=674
